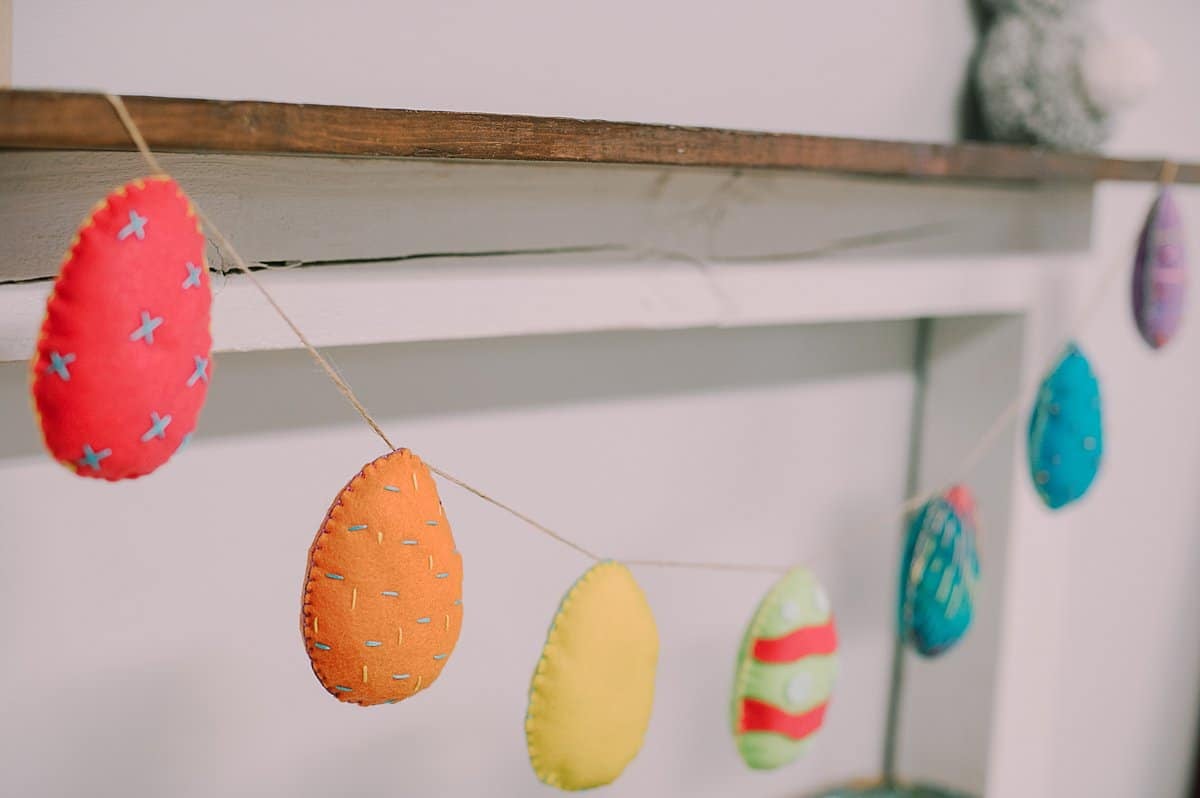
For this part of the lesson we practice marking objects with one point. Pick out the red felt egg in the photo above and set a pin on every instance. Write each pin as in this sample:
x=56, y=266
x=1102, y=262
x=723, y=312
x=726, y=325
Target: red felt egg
x=123, y=359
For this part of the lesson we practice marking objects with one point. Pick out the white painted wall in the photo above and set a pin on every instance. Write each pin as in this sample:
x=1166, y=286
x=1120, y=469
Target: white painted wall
x=1128, y=681
x=875, y=69
x=152, y=626
x=141, y=674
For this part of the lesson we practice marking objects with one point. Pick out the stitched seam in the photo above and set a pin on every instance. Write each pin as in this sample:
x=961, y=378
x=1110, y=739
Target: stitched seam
x=317, y=545
x=54, y=300
x=535, y=684
x=753, y=633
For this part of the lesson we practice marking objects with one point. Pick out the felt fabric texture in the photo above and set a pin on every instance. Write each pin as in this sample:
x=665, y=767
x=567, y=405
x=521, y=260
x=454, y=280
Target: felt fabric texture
x=1160, y=273
x=123, y=360
x=593, y=689
x=939, y=571
x=1066, y=435
x=383, y=592
x=785, y=672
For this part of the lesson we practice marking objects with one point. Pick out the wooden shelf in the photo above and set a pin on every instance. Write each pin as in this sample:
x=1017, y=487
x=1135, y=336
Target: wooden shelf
x=47, y=120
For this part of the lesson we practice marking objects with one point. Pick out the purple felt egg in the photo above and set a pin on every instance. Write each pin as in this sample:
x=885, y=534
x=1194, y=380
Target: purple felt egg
x=1160, y=273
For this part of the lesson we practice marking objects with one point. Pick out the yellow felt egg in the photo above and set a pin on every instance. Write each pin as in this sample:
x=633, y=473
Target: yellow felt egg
x=590, y=700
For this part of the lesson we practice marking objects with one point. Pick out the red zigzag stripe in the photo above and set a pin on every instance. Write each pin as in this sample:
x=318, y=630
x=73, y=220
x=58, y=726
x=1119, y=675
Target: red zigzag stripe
x=806, y=642
x=758, y=716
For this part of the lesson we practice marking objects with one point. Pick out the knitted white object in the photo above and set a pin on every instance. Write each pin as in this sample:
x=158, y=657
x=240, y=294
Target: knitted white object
x=1118, y=70
x=1046, y=74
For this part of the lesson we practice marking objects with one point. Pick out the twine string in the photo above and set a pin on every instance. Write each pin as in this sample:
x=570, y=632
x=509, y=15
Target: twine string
x=693, y=565
x=535, y=524
x=1007, y=414
x=1170, y=170
x=321, y=360
x=224, y=244
x=908, y=506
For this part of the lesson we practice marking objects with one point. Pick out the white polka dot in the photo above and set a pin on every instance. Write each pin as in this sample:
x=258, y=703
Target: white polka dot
x=789, y=611
x=820, y=600
x=799, y=688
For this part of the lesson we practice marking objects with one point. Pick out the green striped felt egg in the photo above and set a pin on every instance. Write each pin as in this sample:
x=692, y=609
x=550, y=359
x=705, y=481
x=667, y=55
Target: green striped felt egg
x=785, y=672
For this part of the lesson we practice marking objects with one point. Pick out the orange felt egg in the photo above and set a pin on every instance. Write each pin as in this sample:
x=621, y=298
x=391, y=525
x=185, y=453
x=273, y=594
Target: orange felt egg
x=383, y=594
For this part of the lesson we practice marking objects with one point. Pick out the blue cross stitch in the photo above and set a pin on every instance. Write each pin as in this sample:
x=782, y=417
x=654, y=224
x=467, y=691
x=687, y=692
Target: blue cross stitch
x=201, y=372
x=58, y=365
x=146, y=329
x=136, y=227
x=193, y=278
x=91, y=457
x=158, y=427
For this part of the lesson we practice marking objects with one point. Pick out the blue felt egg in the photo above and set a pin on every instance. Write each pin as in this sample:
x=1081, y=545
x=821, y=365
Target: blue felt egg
x=938, y=573
x=1066, y=440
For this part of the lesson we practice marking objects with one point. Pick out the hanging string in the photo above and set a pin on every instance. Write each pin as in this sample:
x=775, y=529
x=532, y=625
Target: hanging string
x=1167, y=174
x=536, y=525
x=135, y=133
x=223, y=243
x=984, y=444
x=692, y=565
x=909, y=505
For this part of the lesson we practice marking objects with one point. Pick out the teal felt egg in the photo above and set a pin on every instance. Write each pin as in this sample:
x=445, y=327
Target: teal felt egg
x=938, y=573
x=1066, y=439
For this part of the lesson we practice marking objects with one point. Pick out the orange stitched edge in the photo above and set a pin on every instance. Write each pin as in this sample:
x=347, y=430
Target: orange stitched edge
x=305, y=604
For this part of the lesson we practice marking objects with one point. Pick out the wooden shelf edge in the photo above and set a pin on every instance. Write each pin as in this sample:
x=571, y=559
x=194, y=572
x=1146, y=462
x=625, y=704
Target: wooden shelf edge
x=51, y=120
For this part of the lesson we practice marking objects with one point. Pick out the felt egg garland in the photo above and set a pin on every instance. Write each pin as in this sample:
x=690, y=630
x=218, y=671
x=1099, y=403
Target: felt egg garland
x=785, y=672
x=123, y=358
x=384, y=560
x=1160, y=273
x=1066, y=436
x=383, y=595
x=939, y=570
x=593, y=688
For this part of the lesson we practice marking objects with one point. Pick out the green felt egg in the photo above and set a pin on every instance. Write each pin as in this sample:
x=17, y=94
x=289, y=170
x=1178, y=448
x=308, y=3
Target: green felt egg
x=785, y=672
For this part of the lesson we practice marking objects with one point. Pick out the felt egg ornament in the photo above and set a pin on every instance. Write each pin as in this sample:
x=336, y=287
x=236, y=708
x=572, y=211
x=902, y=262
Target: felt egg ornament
x=593, y=688
x=123, y=360
x=1066, y=436
x=939, y=570
x=1160, y=273
x=382, y=605
x=785, y=672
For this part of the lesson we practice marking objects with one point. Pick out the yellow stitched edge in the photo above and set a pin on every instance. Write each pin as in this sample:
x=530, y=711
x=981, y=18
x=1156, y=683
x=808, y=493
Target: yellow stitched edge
x=191, y=212
x=68, y=258
x=538, y=673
